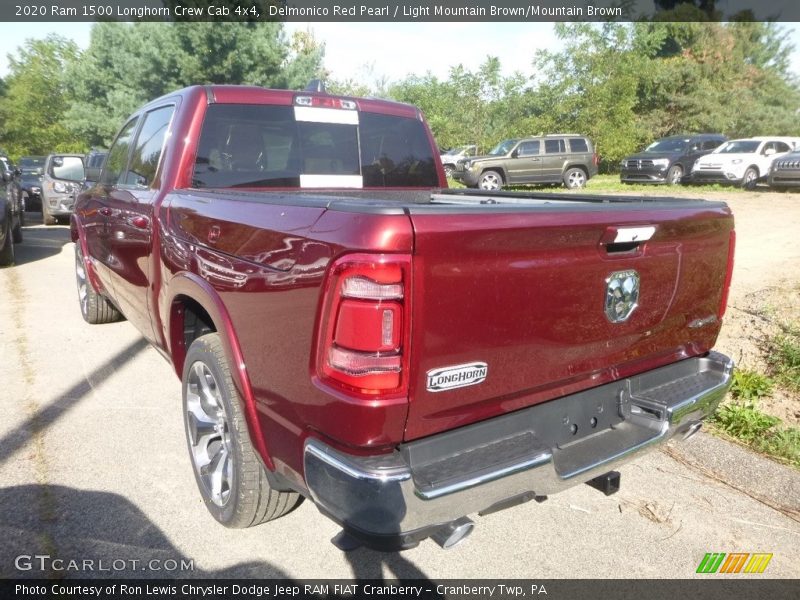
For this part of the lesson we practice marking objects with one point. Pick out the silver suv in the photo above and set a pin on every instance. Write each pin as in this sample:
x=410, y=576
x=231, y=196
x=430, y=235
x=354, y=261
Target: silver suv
x=61, y=183
x=558, y=158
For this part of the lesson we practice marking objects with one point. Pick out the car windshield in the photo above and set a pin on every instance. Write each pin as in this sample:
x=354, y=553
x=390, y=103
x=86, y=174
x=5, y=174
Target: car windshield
x=503, y=147
x=32, y=164
x=457, y=150
x=668, y=145
x=285, y=146
x=67, y=167
x=738, y=147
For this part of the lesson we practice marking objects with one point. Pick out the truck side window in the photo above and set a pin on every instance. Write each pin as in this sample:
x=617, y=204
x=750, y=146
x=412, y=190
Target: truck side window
x=578, y=145
x=148, y=146
x=117, y=159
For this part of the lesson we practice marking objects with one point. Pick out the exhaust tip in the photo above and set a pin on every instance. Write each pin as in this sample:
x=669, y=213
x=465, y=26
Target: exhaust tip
x=453, y=533
x=693, y=428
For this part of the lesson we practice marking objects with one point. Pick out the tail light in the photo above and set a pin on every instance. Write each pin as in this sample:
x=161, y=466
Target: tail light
x=596, y=159
x=362, y=344
x=723, y=303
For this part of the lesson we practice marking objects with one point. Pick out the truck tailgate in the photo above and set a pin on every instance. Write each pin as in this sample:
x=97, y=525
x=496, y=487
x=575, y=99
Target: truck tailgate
x=538, y=295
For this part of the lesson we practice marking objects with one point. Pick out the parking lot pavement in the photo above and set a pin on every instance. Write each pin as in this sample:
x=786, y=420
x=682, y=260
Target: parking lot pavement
x=93, y=466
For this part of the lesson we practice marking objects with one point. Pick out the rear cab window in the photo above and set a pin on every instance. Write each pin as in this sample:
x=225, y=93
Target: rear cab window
x=309, y=147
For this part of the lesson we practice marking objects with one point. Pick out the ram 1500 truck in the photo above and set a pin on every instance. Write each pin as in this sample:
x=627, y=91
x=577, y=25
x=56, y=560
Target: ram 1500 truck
x=402, y=355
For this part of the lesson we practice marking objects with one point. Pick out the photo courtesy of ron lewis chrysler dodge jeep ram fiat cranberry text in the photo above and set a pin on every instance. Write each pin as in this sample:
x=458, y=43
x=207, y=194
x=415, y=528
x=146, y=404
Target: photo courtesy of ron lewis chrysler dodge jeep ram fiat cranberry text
x=402, y=355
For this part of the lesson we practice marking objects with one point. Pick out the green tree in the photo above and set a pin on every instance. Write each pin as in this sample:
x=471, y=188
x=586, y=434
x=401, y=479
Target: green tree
x=152, y=59
x=36, y=98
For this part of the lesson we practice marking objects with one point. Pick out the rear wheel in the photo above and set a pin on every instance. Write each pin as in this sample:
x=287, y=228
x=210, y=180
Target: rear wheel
x=490, y=180
x=575, y=178
x=448, y=170
x=232, y=481
x=750, y=178
x=674, y=175
x=94, y=308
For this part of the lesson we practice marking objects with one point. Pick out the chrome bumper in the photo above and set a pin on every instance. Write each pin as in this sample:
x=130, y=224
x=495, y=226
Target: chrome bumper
x=533, y=452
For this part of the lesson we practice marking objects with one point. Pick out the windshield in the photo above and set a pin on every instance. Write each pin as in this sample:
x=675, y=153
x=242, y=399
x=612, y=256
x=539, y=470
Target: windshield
x=67, y=167
x=32, y=164
x=668, y=145
x=503, y=147
x=738, y=147
x=286, y=146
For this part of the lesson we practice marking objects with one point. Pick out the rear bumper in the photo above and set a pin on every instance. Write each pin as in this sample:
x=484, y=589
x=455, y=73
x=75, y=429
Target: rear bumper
x=394, y=500
x=643, y=175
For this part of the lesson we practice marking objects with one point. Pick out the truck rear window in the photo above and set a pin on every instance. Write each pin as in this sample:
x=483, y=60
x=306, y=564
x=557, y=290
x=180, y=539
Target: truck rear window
x=277, y=146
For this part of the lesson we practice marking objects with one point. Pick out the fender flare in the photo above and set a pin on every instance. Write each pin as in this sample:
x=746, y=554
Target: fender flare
x=76, y=233
x=200, y=291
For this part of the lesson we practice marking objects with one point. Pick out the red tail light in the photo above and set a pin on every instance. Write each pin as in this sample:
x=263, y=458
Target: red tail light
x=723, y=303
x=596, y=159
x=363, y=338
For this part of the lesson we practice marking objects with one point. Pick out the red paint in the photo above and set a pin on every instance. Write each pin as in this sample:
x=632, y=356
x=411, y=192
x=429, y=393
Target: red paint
x=522, y=290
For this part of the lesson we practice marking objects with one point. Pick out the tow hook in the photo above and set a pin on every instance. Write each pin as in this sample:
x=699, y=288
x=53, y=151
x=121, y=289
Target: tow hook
x=607, y=483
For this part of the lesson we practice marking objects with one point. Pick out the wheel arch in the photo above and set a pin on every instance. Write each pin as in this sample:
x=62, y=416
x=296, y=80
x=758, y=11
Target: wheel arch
x=193, y=301
x=78, y=237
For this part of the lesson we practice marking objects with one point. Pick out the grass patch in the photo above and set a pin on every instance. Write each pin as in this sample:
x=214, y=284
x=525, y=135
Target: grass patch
x=750, y=385
x=784, y=359
x=765, y=433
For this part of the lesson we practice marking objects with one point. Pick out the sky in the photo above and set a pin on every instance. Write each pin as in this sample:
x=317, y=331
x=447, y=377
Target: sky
x=370, y=52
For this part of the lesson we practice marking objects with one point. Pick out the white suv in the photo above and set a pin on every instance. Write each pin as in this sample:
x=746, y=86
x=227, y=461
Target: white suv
x=742, y=162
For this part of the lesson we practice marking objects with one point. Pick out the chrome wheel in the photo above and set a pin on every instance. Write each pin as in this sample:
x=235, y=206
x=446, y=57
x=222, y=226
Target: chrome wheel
x=575, y=178
x=491, y=180
x=83, y=290
x=674, y=175
x=749, y=179
x=209, y=433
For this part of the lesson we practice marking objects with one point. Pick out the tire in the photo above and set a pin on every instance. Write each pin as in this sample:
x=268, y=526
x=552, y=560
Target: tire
x=674, y=175
x=575, y=178
x=750, y=178
x=236, y=490
x=7, y=251
x=448, y=170
x=47, y=219
x=490, y=180
x=16, y=232
x=95, y=309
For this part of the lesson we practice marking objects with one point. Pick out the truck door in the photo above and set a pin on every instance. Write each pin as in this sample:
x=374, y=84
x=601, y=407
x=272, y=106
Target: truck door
x=555, y=151
x=131, y=220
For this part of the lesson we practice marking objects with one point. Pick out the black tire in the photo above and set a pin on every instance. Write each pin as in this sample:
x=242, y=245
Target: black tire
x=47, y=218
x=674, y=175
x=7, y=251
x=216, y=435
x=490, y=180
x=95, y=309
x=575, y=178
x=16, y=232
x=750, y=178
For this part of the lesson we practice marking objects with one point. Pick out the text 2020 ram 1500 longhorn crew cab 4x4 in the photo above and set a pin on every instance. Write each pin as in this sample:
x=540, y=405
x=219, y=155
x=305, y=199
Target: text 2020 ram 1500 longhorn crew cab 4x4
x=402, y=356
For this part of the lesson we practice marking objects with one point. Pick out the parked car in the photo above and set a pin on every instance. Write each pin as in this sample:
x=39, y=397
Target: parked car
x=558, y=158
x=399, y=355
x=669, y=159
x=61, y=183
x=742, y=162
x=12, y=211
x=30, y=181
x=785, y=171
x=451, y=157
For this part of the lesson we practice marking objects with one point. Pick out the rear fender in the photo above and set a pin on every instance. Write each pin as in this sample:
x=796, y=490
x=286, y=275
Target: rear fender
x=76, y=233
x=193, y=287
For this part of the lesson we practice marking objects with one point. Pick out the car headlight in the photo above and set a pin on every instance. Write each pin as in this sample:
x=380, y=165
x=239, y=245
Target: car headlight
x=661, y=162
x=736, y=161
x=35, y=189
x=467, y=165
x=59, y=187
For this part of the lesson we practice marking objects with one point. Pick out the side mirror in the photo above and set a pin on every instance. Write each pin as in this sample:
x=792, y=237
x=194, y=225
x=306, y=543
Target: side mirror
x=515, y=153
x=7, y=176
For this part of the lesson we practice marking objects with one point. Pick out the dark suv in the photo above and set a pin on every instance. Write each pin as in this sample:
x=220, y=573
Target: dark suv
x=668, y=160
x=559, y=158
x=30, y=181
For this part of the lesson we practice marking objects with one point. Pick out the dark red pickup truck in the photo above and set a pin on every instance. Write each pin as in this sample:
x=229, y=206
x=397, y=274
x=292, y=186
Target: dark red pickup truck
x=403, y=355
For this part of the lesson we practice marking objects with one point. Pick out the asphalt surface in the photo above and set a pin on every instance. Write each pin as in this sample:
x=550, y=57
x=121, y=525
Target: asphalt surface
x=93, y=466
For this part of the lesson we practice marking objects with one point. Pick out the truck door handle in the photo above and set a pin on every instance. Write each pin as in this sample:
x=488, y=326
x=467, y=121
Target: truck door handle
x=105, y=211
x=140, y=222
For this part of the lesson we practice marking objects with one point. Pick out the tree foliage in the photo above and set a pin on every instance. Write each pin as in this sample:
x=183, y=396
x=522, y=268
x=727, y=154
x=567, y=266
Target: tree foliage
x=35, y=98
